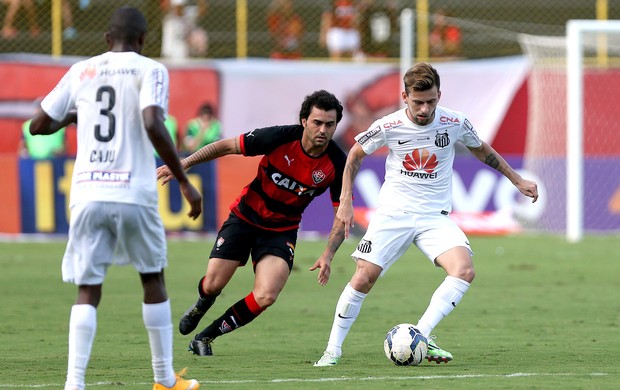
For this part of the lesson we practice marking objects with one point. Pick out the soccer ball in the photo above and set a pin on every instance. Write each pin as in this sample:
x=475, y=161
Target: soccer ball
x=405, y=345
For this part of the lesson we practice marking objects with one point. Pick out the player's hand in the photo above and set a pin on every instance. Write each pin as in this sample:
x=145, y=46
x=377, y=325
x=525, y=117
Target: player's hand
x=528, y=188
x=325, y=269
x=164, y=173
x=193, y=197
x=346, y=216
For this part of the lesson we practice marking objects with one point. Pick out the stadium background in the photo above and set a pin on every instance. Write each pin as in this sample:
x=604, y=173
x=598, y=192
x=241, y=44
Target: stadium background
x=489, y=28
x=238, y=51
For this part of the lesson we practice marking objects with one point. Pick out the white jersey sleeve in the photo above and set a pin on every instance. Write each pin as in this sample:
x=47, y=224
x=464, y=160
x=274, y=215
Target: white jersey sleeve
x=469, y=136
x=115, y=158
x=371, y=139
x=59, y=102
x=155, y=89
x=418, y=168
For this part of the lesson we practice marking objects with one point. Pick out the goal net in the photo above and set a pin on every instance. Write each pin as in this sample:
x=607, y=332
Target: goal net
x=573, y=137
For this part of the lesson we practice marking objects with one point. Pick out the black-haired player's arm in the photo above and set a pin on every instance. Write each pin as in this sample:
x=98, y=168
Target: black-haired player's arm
x=153, y=117
x=212, y=151
x=43, y=124
x=206, y=153
x=336, y=237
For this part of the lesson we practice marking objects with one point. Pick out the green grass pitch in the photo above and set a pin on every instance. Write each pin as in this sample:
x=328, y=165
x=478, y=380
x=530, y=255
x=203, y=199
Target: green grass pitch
x=541, y=314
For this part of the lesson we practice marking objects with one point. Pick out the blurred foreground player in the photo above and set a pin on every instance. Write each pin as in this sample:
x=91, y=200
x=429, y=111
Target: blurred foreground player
x=119, y=100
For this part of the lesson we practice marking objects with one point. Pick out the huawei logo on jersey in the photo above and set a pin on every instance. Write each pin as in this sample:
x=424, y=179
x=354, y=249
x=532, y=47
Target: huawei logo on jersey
x=318, y=176
x=420, y=160
x=90, y=71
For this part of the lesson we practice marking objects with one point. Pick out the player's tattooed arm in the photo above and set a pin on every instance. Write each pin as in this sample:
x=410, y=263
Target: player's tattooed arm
x=336, y=236
x=352, y=167
x=212, y=151
x=491, y=160
x=497, y=162
x=203, y=154
x=490, y=157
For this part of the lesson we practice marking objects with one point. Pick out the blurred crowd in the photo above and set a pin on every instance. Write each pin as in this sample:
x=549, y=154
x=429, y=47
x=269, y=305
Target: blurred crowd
x=346, y=29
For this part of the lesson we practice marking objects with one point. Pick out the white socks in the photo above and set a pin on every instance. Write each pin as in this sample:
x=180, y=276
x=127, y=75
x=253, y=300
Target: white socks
x=82, y=329
x=83, y=325
x=157, y=319
x=444, y=300
x=347, y=309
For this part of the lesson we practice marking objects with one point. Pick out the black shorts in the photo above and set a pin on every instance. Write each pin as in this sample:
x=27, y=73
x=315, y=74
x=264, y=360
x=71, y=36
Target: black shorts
x=237, y=240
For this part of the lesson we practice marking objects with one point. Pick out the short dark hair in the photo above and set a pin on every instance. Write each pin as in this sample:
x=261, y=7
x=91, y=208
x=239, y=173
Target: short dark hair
x=421, y=77
x=127, y=24
x=206, y=109
x=322, y=100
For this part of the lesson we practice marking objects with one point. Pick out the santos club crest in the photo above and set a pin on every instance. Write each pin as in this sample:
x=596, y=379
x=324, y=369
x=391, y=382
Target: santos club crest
x=442, y=140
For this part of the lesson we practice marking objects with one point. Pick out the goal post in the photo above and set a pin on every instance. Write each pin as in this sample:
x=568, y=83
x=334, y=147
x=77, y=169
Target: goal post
x=575, y=31
x=573, y=139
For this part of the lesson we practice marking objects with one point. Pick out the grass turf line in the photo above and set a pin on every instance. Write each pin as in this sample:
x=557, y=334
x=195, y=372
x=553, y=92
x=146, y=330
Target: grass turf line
x=541, y=313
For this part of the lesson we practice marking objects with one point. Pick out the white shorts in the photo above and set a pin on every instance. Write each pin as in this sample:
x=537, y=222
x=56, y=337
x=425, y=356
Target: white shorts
x=106, y=233
x=389, y=236
x=342, y=40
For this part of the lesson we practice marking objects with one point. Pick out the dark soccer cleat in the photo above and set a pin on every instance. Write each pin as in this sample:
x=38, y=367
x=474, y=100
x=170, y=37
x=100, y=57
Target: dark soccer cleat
x=201, y=347
x=192, y=317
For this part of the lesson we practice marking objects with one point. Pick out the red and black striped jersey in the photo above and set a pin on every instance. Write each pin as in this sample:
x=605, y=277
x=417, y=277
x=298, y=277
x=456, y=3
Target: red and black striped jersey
x=288, y=179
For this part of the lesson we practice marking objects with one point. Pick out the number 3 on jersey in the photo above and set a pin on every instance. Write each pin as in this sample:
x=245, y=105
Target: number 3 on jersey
x=104, y=93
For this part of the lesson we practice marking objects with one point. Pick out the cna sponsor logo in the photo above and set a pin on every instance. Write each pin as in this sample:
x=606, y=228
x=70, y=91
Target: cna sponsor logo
x=89, y=72
x=447, y=120
x=421, y=164
x=291, y=185
x=392, y=124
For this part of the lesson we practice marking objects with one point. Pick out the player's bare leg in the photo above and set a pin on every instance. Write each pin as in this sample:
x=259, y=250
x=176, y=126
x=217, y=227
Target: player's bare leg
x=219, y=272
x=271, y=274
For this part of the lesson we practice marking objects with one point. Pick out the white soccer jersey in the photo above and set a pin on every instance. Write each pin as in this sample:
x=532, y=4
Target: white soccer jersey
x=418, y=168
x=115, y=160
